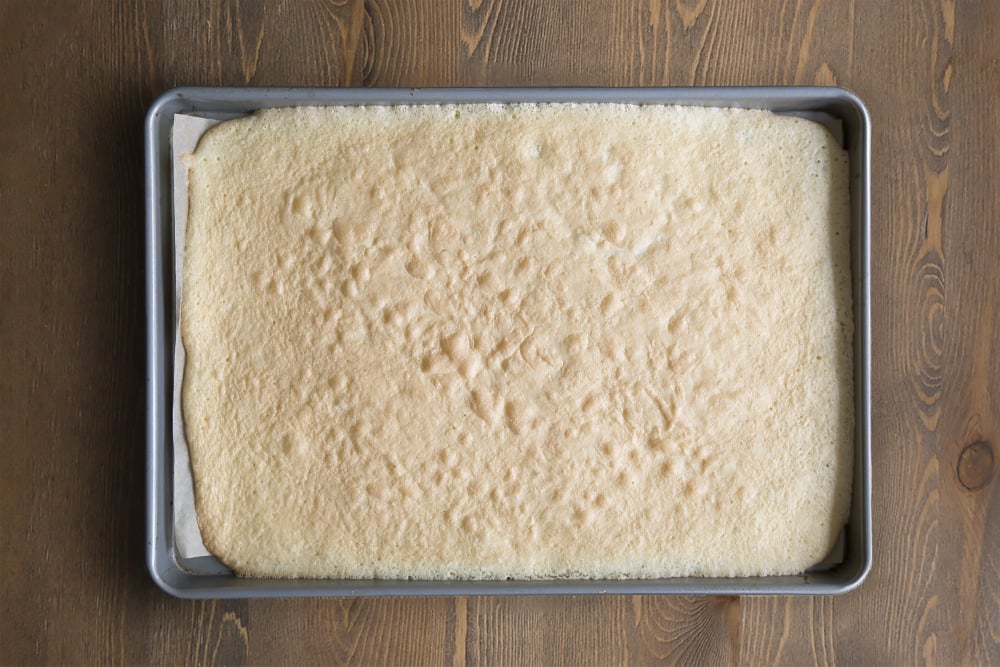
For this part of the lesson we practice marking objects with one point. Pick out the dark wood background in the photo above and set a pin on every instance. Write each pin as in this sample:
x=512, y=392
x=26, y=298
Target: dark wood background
x=75, y=80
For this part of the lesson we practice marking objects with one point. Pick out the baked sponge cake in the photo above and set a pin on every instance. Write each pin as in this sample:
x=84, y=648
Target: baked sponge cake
x=518, y=341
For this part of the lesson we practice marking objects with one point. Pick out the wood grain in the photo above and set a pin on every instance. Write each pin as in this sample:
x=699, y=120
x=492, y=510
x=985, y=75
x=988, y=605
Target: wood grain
x=76, y=80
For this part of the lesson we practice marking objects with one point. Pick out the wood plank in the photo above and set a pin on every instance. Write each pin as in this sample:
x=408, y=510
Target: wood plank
x=964, y=326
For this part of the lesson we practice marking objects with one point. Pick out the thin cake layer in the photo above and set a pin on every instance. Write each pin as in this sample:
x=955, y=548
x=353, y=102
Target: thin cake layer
x=522, y=341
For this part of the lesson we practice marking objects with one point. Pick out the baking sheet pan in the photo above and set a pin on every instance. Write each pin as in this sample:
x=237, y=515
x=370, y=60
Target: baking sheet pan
x=206, y=577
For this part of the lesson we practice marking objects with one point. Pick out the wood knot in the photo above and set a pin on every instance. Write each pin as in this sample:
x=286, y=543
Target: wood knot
x=975, y=465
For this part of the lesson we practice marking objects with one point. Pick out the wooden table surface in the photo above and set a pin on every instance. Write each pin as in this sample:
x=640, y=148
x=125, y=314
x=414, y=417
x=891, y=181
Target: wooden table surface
x=75, y=80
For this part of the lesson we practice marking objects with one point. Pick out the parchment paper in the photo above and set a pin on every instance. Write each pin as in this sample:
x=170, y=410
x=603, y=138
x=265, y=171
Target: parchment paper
x=187, y=130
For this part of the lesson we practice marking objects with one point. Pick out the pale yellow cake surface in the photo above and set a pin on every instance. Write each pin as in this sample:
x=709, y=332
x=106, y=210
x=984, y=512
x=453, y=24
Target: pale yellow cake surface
x=518, y=341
